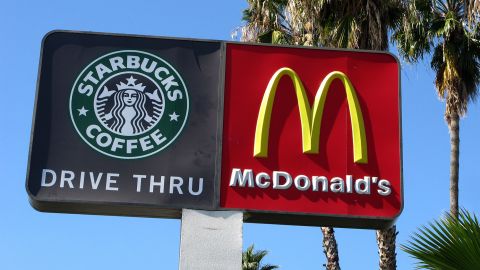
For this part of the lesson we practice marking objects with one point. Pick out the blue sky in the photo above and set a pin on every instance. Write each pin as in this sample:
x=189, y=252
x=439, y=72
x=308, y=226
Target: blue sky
x=29, y=239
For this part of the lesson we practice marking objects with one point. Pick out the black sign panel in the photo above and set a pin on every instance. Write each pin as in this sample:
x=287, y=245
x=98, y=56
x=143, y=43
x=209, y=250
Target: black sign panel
x=126, y=125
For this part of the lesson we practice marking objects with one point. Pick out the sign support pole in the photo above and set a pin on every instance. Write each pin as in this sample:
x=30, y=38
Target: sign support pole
x=211, y=240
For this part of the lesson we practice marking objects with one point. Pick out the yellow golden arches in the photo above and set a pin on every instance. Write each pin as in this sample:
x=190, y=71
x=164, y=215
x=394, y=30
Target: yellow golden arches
x=264, y=115
x=311, y=121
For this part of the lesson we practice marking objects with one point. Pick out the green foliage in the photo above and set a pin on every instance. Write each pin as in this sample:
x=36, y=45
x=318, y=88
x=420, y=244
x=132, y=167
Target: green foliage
x=448, y=244
x=443, y=27
x=265, y=22
x=358, y=24
x=252, y=260
x=274, y=37
x=414, y=38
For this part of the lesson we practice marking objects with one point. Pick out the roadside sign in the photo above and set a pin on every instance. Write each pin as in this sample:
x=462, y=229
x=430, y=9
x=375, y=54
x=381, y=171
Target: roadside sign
x=146, y=126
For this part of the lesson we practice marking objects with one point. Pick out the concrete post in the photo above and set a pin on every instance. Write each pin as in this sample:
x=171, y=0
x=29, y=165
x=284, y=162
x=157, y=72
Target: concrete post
x=211, y=240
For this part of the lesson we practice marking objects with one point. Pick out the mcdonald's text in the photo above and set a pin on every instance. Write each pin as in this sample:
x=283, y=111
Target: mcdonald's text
x=284, y=180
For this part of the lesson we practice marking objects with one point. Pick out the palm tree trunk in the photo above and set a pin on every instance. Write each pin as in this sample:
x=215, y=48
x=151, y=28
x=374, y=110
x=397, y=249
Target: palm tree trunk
x=454, y=126
x=330, y=248
x=386, y=248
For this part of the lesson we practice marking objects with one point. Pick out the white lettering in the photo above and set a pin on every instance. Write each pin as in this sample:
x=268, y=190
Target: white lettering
x=117, y=144
x=384, y=186
x=298, y=182
x=200, y=186
x=349, y=181
x=82, y=179
x=176, y=182
x=156, y=135
x=176, y=94
x=169, y=82
x=85, y=89
x=241, y=179
x=322, y=179
x=139, y=179
x=101, y=70
x=110, y=181
x=89, y=130
x=366, y=185
x=104, y=142
x=337, y=185
x=163, y=70
x=52, y=179
x=156, y=184
x=116, y=63
x=131, y=144
x=95, y=181
x=66, y=176
x=133, y=61
x=90, y=77
x=145, y=63
x=258, y=180
x=145, y=143
x=276, y=180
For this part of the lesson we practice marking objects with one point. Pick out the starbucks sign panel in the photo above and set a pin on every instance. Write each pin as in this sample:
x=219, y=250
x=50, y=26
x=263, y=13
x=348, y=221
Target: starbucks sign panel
x=127, y=94
x=125, y=126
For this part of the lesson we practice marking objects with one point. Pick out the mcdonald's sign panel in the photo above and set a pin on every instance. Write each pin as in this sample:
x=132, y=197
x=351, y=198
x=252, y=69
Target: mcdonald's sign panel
x=312, y=136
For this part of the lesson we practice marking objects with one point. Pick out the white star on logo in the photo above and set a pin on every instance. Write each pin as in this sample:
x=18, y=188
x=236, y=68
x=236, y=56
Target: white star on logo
x=131, y=80
x=82, y=111
x=174, y=117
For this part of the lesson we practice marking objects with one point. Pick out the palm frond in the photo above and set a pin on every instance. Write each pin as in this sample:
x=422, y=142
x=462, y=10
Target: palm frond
x=440, y=26
x=252, y=260
x=449, y=243
x=269, y=267
x=358, y=24
x=415, y=36
x=472, y=12
x=263, y=17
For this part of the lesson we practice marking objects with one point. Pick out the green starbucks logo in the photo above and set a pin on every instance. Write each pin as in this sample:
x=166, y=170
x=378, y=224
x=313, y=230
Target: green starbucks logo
x=129, y=104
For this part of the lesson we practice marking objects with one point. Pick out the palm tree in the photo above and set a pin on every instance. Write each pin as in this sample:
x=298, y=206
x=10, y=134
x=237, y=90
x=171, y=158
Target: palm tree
x=441, y=27
x=361, y=24
x=355, y=24
x=330, y=248
x=282, y=22
x=451, y=243
x=252, y=260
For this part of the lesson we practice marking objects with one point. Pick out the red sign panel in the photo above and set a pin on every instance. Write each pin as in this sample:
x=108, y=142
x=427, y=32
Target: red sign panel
x=311, y=136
